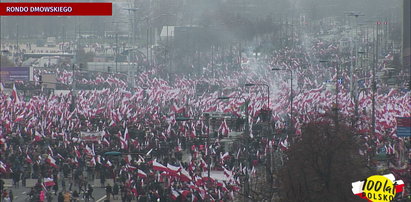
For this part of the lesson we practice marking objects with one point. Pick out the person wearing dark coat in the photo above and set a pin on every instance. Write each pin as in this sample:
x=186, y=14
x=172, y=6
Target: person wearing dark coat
x=76, y=196
x=109, y=191
x=55, y=188
x=116, y=189
x=60, y=198
x=90, y=192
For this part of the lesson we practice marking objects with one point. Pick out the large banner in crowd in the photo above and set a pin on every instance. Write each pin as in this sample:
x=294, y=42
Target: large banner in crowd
x=91, y=136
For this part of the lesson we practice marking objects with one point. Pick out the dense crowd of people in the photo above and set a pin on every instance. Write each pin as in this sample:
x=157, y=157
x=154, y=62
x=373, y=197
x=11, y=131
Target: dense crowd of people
x=132, y=134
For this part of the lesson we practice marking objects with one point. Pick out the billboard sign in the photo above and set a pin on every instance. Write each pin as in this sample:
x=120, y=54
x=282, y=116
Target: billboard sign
x=403, y=126
x=91, y=136
x=8, y=74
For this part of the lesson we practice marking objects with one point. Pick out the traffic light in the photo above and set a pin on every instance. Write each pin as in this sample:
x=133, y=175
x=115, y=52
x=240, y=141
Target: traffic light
x=109, y=69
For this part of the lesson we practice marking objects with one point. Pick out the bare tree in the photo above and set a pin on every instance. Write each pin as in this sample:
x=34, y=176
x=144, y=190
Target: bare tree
x=322, y=164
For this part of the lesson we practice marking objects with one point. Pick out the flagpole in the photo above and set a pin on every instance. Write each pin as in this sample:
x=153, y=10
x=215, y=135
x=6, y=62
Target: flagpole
x=208, y=146
x=337, y=90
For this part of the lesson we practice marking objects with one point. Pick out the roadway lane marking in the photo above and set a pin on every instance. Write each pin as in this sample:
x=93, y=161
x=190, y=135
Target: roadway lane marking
x=102, y=198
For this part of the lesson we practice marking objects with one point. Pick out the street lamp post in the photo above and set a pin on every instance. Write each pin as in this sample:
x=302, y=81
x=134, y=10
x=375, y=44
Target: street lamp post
x=356, y=15
x=356, y=92
x=147, y=41
x=133, y=23
x=208, y=145
x=116, y=50
x=291, y=94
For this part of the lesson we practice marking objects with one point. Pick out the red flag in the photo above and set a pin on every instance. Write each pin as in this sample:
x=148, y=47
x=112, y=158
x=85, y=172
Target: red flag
x=60, y=156
x=112, y=123
x=128, y=159
x=77, y=152
x=141, y=174
x=14, y=94
x=105, y=141
x=37, y=136
x=123, y=143
x=134, y=190
x=177, y=109
x=284, y=144
x=126, y=135
x=51, y=161
x=93, y=162
x=98, y=159
x=173, y=169
x=159, y=166
x=174, y=194
x=185, y=176
x=3, y=167
x=28, y=159
x=225, y=156
x=48, y=182
x=2, y=140
x=19, y=118
x=224, y=128
x=228, y=173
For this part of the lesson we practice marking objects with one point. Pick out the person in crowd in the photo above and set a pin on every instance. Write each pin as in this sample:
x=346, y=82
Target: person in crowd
x=63, y=184
x=67, y=197
x=55, y=188
x=115, y=190
x=90, y=192
x=75, y=197
x=1, y=187
x=6, y=197
x=60, y=197
x=108, y=191
x=102, y=180
x=42, y=196
x=49, y=196
x=11, y=196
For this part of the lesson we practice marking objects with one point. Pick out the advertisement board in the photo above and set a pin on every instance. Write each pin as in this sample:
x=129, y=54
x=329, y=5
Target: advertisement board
x=8, y=74
x=91, y=136
x=403, y=126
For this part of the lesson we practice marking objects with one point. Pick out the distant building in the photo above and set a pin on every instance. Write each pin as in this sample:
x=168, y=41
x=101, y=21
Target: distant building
x=123, y=67
x=51, y=42
x=406, y=25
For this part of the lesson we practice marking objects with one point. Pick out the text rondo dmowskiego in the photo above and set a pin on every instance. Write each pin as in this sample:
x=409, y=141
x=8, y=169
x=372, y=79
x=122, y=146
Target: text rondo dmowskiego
x=40, y=9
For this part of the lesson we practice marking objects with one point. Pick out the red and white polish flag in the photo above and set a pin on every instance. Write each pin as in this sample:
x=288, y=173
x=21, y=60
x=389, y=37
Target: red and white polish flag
x=48, y=182
x=51, y=161
x=141, y=174
x=159, y=167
